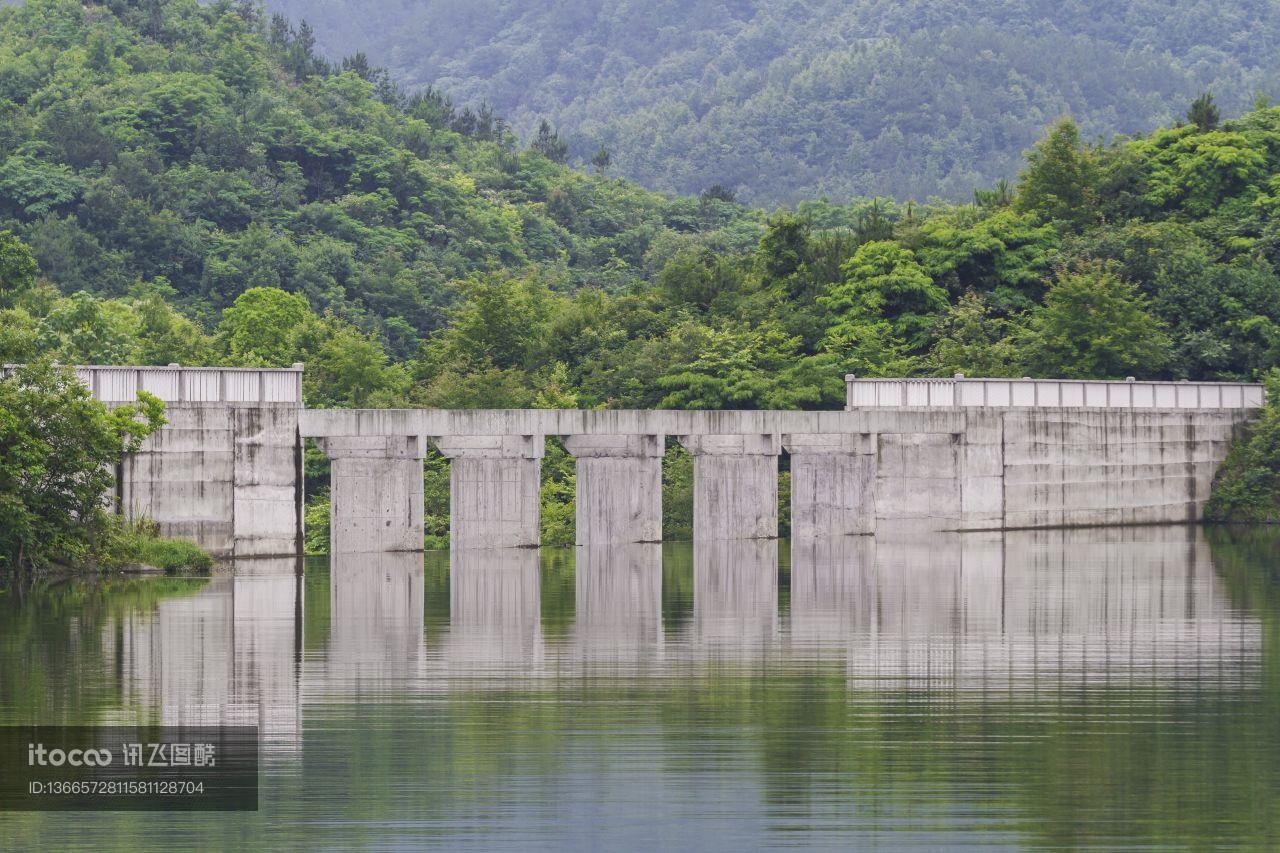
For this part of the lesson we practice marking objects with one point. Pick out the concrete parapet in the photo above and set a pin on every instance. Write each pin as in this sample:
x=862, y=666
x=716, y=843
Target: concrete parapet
x=494, y=489
x=735, y=485
x=619, y=488
x=376, y=501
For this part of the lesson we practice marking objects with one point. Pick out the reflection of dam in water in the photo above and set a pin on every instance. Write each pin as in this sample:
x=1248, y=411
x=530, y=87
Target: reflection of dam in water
x=229, y=654
x=1023, y=609
x=1023, y=612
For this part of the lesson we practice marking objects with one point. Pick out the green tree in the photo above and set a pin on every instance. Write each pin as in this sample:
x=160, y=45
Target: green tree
x=1247, y=488
x=784, y=246
x=1204, y=112
x=351, y=369
x=1094, y=325
x=884, y=281
x=744, y=368
x=601, y=159
x=1059, y=180
x=263, y=328
x=164, y=335
x=83, y=329
x=501, y=322
x=58, y=452
x=697, y=277
x=970, y=340
x=17, y=268
x=549, y=144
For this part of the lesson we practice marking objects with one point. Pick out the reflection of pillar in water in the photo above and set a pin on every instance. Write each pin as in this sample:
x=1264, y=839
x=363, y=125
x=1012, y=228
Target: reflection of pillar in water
x=833, y=593
x=618, y=603
x=495, y=617
x=735, y=594
x=919, y=590
x=376, y=619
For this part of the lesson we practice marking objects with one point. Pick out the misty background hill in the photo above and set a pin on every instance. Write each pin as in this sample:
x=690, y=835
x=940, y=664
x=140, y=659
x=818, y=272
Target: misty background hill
x=789, y=99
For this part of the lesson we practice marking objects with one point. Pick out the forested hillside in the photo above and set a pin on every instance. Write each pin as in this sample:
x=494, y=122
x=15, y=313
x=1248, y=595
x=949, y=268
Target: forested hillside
x=207, y=150
x=783, y=100
x=191, y=183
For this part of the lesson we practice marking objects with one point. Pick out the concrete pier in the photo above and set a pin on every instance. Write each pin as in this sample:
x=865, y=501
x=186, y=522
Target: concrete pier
x=494, y=485
x=619, y=480
x=375, y=493
x=833, y=479
x=735, y=485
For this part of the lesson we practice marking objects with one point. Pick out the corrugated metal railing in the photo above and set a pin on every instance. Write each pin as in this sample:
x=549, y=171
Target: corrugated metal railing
x=1053, y=393
x=177, y=384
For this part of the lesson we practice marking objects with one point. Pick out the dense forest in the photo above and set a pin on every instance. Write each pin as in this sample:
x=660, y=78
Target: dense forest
x=784, y=100
x=192, y=183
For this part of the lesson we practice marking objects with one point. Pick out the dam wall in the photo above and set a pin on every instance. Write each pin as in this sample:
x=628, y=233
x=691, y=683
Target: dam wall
x=905, y=455
x=226, y=470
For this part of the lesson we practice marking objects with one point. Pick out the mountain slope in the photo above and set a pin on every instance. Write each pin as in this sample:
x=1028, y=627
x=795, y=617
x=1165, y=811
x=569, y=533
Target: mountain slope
x=205, y=148
x=789, y=99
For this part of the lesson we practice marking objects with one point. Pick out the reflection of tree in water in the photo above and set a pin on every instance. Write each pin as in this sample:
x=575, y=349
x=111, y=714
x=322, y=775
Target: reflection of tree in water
x=55, y=639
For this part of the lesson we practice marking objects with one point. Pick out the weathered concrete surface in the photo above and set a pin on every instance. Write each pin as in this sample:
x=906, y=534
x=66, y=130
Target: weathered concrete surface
x=833, y=484
x=1072, y=469
x=226, y=476
x=494, y=489
x=564, y=422
x=375, y=493
x=619, y=488
x=735, y=485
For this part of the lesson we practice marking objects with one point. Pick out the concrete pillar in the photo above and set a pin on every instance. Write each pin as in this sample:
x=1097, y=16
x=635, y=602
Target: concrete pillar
x=619, y=498
x=833, y=483
x=735, y=485
x=375, y=493
x=494, y=485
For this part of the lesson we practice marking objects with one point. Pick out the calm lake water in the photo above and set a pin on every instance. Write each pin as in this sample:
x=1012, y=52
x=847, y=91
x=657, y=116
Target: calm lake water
x=1118, y=688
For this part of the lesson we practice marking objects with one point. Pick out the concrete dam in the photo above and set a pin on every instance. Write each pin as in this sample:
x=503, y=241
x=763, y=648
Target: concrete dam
x=905, y=455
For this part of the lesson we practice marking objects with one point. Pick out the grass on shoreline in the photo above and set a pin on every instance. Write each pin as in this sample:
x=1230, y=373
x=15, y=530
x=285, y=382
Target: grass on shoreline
x=140, y=542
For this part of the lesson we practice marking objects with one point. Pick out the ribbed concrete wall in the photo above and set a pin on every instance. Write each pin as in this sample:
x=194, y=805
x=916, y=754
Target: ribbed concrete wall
x=227, y=476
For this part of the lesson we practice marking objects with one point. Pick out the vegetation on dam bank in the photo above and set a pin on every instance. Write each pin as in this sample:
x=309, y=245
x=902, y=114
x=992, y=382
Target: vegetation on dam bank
x=1247, y=488
x=59, y=448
